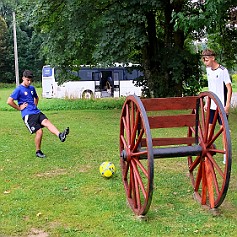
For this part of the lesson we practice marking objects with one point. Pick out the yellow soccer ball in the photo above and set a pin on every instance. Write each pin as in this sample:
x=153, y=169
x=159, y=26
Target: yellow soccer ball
x=107, y=169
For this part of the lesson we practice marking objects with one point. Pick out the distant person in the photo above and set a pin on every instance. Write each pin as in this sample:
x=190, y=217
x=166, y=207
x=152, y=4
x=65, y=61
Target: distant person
x=34, y=119
x=111, y=85
x=219, y=82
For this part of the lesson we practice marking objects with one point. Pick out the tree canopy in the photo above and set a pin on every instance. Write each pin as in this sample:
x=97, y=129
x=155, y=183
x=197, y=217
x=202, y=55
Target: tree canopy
x=156, y=34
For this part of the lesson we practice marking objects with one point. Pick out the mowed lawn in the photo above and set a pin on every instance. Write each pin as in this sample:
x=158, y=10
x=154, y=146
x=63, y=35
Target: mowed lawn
x=64, y=194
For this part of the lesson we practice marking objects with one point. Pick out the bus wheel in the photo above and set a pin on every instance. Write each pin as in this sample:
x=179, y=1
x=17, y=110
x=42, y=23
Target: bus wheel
x=87, y=94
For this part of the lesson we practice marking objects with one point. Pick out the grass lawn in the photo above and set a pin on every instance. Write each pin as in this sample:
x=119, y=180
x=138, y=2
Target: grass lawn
x=64, y=194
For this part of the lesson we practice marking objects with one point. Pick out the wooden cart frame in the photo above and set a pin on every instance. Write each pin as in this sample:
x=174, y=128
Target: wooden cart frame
x=204, y=146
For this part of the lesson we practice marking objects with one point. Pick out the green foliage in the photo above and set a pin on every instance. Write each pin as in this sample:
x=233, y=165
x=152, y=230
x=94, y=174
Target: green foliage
x=28, y=45
x=3, y=45
x=213, y=21
x=6, y=85
x=157, y=34
x=234, y=78
x=131, y=31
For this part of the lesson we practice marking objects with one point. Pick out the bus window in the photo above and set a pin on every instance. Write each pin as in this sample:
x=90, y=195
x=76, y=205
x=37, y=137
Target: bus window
x=96, y=76
x=47, y=71
x=116, y=76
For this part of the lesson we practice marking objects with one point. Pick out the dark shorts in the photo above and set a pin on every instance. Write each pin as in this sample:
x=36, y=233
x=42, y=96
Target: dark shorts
x=212, y=114
x=33, y=121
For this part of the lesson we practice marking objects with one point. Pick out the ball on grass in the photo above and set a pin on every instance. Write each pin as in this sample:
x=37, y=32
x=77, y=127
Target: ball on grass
x=107, y=169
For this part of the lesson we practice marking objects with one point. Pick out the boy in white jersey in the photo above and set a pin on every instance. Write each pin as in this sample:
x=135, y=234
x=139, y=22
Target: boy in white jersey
x=33, y=118
x=218, y=82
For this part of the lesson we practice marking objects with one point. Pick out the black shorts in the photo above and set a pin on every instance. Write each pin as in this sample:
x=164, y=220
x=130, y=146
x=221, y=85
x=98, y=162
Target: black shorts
x=33, y=121
x=212, y=114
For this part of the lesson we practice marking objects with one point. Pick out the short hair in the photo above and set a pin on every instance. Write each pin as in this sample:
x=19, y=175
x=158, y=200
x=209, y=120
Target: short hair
x=208, y=52
x=28, y=74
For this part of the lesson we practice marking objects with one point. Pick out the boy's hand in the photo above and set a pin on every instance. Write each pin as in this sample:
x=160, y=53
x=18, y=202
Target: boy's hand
x=23, y=106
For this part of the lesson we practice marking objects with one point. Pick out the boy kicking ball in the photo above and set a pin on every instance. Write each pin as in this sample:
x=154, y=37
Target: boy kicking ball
x=27, y=98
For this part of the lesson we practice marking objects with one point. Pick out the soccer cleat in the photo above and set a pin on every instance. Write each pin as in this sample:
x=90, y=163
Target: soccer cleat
x=40, y=154
x=62, y=135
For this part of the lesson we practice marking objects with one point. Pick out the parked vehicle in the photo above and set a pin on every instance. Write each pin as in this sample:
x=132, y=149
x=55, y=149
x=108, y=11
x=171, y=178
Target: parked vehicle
x=92, y=83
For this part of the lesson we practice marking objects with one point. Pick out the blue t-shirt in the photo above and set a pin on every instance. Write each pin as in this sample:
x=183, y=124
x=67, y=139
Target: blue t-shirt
x=26, y=94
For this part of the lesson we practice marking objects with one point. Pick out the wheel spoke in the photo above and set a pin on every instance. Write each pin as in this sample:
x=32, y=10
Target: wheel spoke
x=215, y=165
x=134, y=128
x=123, y=141
x=215, y=137
x=139, y=179
x=139, y=153
x=194, y=164
x=127, y=124
x=141, y=167
x=209, y=181
x=204, y=185
x=126, y=128
x=199, y=177
x=137, y=198
x=138, y=141
x=214, y=178
x=131, y=189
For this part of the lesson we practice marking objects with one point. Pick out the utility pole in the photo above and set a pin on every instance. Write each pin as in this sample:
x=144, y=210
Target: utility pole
x=15, y=49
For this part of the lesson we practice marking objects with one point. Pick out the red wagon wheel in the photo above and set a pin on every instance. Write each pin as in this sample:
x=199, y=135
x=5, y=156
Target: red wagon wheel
x=137, y=159
x=210, y=172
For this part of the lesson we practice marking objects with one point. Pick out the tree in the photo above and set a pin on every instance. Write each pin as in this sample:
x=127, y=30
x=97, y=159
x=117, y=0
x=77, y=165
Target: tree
x=28, y=45
x=213, y=20
x=3, y=32
x=157, y=34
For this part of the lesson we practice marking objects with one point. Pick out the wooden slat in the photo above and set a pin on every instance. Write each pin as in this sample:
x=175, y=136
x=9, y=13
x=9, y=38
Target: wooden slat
x=172, y=121
x=173, y=103
x=173, y=141
x=166, y=141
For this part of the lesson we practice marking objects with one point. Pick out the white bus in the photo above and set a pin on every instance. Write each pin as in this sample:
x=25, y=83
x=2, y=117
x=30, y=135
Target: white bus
x=92, y=83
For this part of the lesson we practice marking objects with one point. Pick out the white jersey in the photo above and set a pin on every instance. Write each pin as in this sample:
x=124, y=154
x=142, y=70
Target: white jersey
x=217, y=79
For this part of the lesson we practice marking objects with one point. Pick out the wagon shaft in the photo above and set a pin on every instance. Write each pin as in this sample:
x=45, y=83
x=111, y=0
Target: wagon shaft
x=204, y=145
x=169, y=152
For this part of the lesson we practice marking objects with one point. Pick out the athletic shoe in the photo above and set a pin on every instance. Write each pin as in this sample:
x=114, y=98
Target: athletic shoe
x=62, y=135
x=40, y=154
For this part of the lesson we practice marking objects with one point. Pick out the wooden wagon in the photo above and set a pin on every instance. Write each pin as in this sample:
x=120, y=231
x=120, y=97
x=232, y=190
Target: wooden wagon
x=205, y=146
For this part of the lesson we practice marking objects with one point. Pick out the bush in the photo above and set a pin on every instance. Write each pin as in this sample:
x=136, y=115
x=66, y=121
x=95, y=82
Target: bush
x=7, y=85
x=234, y=78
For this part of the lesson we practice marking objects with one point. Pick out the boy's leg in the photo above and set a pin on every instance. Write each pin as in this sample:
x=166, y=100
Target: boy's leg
x=38, y=140
x=46, y=123
x=62, y=136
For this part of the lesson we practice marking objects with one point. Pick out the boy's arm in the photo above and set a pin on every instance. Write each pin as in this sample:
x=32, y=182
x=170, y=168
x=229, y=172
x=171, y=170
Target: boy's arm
x=10, y=101
x=228, y=100
x=36, y=100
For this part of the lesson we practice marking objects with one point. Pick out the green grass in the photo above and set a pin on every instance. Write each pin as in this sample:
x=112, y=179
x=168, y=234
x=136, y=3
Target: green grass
x=64, y=194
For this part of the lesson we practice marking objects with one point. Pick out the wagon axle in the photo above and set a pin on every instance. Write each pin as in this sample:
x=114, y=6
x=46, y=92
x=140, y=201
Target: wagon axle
x=168, y=152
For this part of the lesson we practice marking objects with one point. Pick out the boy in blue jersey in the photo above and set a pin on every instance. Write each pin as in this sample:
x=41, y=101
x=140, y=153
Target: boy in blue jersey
x=34, y=119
